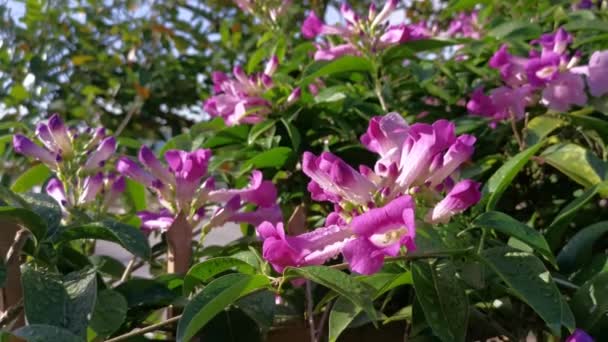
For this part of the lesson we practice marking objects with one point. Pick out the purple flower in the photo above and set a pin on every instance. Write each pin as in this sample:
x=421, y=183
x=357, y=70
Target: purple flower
x=385, y=135
x=294, y=96
x=510, y=102
x=462, y=196
x=271, y=65
x=54, y=188
x=597, y=78
x=566, y=90
x=480, y=104
x=328, y=53
x=422, y=144
x=579, y=335
x=104, y=151
x=381, y=232
x=92, y=186
x=555, y=42
x=385, y=13
x=149, y=160
x=25, y=146
x=60, y=135
x=260, y=192
x=115, y=186
x=160, y=221
x=460, y=151
x=312, y=248
x=44, y=134
x=188, y=169
x=543, y=69
x=130, y=169
x=465, y=25
x=312, y=26
x=334, y=180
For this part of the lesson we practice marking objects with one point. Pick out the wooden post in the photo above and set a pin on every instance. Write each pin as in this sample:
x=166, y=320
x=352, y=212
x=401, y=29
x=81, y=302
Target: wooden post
x=11, y=294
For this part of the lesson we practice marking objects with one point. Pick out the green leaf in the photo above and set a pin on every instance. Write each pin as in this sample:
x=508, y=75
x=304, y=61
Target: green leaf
x=35, y=175
x=260, y=307
x=27, y=218
x=512, y=227
x=47, y=208
x=228, y=136
x=344, y=312
x=45, y=333
x=340, y=65
x=18, y=92
x=339, y=282
x=578, y=251
x=502, y=178
x=214, y=298
x=331, y=94
x=587, y=25
x=180, y=142
x=540, y=127
x=515, y=30
x=294, y=134
x=145, y=293
x=259, y=129
x=275, y=157
x=131, y=238
x=255, y=58
x=559, y=226
x=590, y=306
x=410, y=48
x=65, y=302
x=204, y=271
x=526, y=275
x=443, y=300
x=136, y=193
x=576, y=162
x=109, y=314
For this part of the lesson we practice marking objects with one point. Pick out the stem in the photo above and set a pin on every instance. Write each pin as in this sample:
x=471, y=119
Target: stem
x=324, y=319
x=378, y=86
x=482, y=241
x=142, y=331
x=134, y=109
x=128, y=270
x=309, y=314
x=520, y=142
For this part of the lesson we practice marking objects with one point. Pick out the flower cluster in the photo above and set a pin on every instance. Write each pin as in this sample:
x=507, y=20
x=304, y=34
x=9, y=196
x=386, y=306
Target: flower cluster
x=241, y=99
x=360, y=34
x=77, y=157
x=183, y=186
x=376, y=210
x=550, y=74
x=465, y=25
x=271, y=9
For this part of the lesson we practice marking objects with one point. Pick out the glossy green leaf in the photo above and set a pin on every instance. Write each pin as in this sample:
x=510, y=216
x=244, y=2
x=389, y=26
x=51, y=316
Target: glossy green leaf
x=353, y=290
x=340, y=65
x=559, y=226
x=45, y=333
x=576, y=162
x=275, y=157
x=46, y=208
x=131, y=238
x=512, y=227
x=109, y=314
x=578, y=251
x=35, y=175
x=344, y=312
x=526, y=275
x=260, y=307
x=146, y=293
x=331, y=94
x=214, y=298
x=590, y=306
x=502, y=178
x=443, y=300
x=540, y=127
x=136, y=193
x=515, y=30
x=259, y=129
x=206, y=270
x=65, y=302
x=27, y=219
x=294, y=134
x=411, y=48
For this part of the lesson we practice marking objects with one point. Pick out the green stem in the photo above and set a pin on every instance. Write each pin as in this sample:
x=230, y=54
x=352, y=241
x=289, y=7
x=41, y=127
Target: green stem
x=484, y=234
